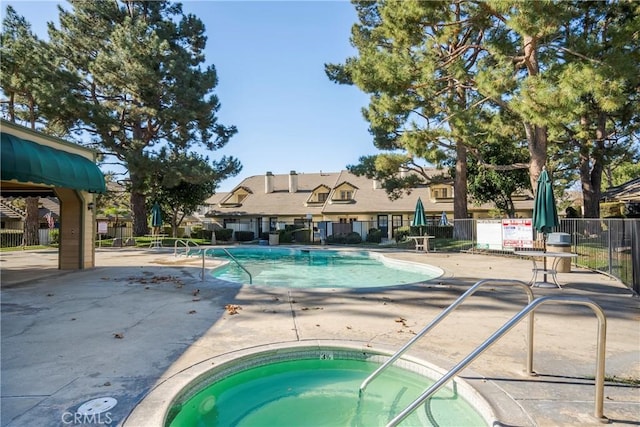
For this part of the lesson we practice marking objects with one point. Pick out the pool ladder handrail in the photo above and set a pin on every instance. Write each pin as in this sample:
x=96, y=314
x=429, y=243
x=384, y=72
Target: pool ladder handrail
x=204, y=255
x=529, y=309
x=186, y=245
x=524, y=286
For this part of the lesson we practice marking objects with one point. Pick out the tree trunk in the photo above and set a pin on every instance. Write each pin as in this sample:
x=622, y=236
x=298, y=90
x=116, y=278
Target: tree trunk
x=461, y=231
x=31, y=222
x=591, y=170
x=139, y=210
x=536, y=135
x=537, y=141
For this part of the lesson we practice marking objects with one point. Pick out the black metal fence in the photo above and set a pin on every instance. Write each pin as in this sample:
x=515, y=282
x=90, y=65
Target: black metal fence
x=611, y=246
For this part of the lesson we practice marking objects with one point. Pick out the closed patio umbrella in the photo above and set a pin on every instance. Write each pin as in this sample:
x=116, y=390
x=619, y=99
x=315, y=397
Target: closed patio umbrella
x=545, y=215
x=443, y=219
x=419, y=219
x=156, y=218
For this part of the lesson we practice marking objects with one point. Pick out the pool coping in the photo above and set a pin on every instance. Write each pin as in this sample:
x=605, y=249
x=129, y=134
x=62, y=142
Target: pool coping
x=154, y=408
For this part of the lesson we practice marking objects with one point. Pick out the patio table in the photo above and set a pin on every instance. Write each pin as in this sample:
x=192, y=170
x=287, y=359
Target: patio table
x=551, y=271
x=422, y=242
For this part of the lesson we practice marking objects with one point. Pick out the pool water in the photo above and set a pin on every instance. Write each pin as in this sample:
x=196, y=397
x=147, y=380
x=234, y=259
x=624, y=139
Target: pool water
x=319, y=393
x=297, y=268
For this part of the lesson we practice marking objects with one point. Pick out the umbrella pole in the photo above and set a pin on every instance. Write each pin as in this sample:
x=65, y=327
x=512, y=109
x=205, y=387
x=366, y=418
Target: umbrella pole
x=544, y=258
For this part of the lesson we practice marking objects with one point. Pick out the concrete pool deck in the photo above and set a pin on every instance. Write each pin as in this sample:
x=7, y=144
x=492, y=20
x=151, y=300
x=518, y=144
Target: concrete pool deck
x=142, y=316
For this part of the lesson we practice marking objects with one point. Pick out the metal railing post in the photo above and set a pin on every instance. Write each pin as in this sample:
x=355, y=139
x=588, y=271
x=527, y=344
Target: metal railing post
x=446, y=312
x=600, y=354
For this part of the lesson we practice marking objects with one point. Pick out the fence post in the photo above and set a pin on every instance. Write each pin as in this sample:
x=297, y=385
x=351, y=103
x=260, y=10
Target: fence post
x=610, y=248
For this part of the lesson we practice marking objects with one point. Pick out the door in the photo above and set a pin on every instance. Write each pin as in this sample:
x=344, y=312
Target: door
x=383, y=225
x=396, y=222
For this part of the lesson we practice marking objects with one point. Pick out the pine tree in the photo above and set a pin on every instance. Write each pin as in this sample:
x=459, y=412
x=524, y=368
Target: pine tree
x=136, y=82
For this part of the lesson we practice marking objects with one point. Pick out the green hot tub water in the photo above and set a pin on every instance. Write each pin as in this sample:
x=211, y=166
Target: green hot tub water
x=315, y=393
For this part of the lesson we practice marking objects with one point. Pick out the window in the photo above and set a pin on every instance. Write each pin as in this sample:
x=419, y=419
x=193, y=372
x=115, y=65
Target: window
x=346, y=194
x=241, y=197
x=322, y=197
x=440, y=193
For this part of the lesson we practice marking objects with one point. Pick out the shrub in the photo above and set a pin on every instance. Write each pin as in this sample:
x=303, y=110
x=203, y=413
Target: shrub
x=337, y=239
x=196, y=232
x=286, y=236
x=374, y=236
x=54, y=235
x=402, y=233
x=204, y=234
x=224, y=234
x=353, y=238
x=244, y=236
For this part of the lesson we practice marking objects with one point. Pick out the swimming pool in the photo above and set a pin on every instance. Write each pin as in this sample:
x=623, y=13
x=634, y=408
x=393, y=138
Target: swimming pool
x=312, y=385
x=313, y=268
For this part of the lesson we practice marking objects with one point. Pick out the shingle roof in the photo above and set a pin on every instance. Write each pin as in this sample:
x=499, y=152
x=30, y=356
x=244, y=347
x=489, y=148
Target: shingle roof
x=367, y=198
x=629, y=191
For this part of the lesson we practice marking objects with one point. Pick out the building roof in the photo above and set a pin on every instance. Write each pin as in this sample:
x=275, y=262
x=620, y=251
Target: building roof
x=367, y=197
x=629, y=191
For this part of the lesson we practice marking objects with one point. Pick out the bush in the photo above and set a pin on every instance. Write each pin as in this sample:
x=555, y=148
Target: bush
x=374, y=236
x=244, y=236
x=54, y=235
x=286, y=236
x=204, y=234
x=196, y=232
x=224, y=234
x=337, y=239
x=402, y=233
x=352, y=238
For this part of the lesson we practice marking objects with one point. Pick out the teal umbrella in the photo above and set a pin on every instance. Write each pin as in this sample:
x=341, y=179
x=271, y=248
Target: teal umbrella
x=545, y=215
x=419, y=219
x=156, y=216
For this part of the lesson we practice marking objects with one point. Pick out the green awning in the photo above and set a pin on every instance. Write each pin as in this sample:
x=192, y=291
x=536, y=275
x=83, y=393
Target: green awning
x=27, y=161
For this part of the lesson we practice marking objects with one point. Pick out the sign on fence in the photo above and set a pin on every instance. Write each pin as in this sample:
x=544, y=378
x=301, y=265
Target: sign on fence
x=489, y=234
x=505, y=234
x=517, y=233
x=102, y=227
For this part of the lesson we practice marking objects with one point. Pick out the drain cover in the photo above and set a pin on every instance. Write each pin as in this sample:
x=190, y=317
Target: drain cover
x=97, y=406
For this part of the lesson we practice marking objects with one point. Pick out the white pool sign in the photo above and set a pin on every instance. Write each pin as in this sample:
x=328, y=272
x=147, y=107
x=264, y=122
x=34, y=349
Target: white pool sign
x=505, y=234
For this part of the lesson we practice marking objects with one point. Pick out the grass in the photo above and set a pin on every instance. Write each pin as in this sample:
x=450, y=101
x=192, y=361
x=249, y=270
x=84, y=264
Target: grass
x=25, y=248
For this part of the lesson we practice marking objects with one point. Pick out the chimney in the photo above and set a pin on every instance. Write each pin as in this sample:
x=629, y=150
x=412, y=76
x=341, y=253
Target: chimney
x=293, y=182
x=268, y=183
x=376, y=184
x=403, y=172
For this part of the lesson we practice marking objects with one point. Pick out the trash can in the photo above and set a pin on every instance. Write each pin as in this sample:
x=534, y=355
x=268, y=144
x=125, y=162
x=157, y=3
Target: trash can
x=560, y=242
x=274, y=239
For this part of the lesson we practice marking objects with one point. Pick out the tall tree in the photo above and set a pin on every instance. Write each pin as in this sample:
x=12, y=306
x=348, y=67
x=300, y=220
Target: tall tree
x=417, y=60
x=135, y=75
x=19, y=77
x=599, y=76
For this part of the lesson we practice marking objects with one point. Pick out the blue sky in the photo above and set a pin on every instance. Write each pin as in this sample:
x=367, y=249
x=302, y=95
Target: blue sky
x=270, y=58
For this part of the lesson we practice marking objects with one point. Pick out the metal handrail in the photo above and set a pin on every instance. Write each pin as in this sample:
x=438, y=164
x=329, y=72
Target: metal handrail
x=600, y=358
x=186, y=245
x=446, y=312
x=204, y=254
